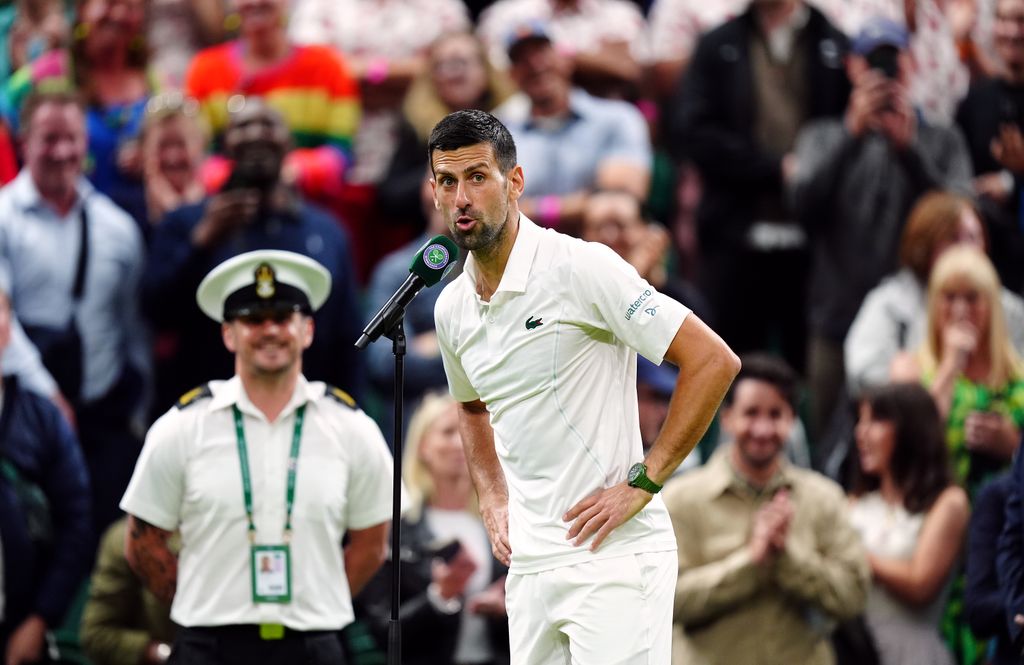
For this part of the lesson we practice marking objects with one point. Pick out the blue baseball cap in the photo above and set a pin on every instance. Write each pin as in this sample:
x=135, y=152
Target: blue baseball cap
x=660, y=378
x=880, y=31
x=529, y=31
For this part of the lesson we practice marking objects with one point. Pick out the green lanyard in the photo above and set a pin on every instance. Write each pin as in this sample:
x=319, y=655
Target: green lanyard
x=293, y=465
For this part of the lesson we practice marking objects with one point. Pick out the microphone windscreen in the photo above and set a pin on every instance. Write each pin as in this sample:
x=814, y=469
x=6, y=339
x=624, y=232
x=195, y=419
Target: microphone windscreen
x=432, y=260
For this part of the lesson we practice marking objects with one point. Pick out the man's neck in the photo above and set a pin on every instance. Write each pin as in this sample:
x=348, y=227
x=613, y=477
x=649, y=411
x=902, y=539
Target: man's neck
x=556, y=106
x=773, y=15
x=62, y=201
x=266, y=48
x=270, y=393
x=491, y=264
x=758, y=477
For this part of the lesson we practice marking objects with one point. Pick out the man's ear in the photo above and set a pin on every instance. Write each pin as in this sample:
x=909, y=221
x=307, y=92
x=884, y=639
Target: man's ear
x=433, y=189
x=725, y=418
x=308, y=328
x=227, y=333
x=517, y=182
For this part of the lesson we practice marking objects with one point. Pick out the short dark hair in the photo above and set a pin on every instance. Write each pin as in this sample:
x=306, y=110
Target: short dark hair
x=471, y=127
x=771, y=370
x=59, y=95
x=920, y=460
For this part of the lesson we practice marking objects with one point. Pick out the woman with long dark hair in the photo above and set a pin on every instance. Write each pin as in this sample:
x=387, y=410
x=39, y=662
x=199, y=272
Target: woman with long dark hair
x=912, y=518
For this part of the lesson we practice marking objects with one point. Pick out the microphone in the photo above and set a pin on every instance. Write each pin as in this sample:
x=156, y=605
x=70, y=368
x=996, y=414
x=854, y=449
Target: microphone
x=431, y=263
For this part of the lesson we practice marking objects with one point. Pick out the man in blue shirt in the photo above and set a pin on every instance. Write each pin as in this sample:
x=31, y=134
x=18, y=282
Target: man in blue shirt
x=569, y=141
x=74, y=261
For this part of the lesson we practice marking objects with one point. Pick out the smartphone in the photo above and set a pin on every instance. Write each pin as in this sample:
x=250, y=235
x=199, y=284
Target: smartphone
x=885, y=59
x=237, y=179
x=447, y=551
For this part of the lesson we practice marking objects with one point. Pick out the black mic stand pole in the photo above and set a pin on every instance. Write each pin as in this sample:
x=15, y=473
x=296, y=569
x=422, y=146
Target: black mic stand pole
x=397, y=337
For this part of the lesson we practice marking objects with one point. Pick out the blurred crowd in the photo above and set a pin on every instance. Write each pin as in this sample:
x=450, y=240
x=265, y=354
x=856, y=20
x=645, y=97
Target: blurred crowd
x=835, y=186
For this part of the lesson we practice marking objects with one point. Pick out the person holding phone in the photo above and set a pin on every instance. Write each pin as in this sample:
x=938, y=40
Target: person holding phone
x=453, y=596
x=857, y=178
x=257, y=210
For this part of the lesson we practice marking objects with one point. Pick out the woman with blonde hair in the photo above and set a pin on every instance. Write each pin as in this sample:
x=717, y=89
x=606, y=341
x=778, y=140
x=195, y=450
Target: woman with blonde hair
x=893, y=315
x=457, y=76
x=969, y=366
x=452, y=595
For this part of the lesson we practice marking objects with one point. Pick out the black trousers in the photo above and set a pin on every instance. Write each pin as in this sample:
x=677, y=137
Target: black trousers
x=242, y=645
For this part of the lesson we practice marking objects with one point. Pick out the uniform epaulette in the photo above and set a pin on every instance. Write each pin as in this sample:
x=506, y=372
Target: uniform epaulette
x=339, y=395
x=194, y=395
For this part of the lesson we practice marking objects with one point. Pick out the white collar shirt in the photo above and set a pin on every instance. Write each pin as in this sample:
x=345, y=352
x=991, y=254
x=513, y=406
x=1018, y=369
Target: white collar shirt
x=188, y=477
x=553, y=356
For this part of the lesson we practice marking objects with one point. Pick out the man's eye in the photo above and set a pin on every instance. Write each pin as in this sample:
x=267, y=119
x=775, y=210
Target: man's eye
x=478, y=177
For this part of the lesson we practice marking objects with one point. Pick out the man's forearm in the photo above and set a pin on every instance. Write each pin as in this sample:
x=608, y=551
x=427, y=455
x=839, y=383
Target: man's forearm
x=478, y=440
x=152, y=560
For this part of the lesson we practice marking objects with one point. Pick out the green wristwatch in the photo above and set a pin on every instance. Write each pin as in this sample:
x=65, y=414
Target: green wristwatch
x=637, y=477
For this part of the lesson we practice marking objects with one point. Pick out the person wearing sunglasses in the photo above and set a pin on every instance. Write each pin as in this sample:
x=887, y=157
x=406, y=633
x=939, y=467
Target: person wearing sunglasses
x=264, y=474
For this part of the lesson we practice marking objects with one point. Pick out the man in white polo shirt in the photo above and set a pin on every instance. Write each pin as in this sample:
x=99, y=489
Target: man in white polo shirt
x=263, y=474
x=539, y=338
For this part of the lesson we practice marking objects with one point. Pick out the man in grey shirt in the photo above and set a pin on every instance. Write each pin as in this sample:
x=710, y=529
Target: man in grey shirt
x=856, y=179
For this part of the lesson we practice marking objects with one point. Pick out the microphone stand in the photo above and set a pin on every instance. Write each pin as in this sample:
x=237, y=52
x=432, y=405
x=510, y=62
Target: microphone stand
x=397, y=337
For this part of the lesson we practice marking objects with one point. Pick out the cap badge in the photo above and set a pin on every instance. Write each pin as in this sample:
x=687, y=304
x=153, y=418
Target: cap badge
x=265, y=281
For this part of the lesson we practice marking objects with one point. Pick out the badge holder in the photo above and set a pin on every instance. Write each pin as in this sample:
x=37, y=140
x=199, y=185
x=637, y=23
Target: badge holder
x=271, y=574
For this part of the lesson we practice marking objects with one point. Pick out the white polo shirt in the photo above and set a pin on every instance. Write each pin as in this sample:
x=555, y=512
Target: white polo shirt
x=553, y=355
x=188, y=477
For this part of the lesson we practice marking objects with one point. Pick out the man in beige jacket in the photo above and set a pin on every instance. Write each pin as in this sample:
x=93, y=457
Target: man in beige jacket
x=767, y=559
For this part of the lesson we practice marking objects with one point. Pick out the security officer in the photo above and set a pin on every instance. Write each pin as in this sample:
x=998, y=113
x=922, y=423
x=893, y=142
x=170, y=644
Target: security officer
x=263, y=474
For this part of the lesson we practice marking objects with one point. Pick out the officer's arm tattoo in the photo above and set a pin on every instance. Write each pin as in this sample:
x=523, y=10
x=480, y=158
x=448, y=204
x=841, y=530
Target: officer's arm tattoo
x=148, y=554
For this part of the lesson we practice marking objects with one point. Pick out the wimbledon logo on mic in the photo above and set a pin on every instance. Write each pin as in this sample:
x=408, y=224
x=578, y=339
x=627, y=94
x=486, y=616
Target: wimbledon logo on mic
x=436, y=256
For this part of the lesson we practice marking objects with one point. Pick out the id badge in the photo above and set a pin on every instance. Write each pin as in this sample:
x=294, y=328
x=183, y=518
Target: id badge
x=271, y=574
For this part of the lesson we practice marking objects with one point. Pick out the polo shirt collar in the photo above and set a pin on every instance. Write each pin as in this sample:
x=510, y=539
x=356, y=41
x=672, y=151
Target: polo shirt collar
x=231, y=393
x=579, y=107
x=520, y=259
x=26, y=196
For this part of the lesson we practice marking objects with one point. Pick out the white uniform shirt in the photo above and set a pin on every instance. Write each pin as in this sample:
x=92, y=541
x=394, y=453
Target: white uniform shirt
x=553, y=355
x=188, y=477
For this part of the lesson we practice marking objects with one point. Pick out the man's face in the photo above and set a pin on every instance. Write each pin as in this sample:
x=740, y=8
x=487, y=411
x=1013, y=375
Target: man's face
x=268, y=345
x=540, y=71
x=55, y=147
x=759, y=420
x=613, y=219
x=114, y=23
x=260, y=15
x=474, y=196
x=257, y=139
x=1009, y=32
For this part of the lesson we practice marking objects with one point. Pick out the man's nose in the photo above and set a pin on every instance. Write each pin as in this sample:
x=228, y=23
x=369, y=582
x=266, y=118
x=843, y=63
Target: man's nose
x=461, y=196
x=65, y=149
x=763, y=427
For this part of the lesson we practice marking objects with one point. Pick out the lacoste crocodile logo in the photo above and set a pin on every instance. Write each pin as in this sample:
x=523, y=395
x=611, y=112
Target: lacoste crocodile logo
x=531, y=323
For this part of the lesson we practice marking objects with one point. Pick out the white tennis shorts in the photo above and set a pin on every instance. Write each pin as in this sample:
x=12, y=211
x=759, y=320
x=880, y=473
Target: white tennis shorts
x=615, y=611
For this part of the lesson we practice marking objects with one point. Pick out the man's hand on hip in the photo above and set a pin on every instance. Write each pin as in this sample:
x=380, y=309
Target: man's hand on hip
x=602, y=512
x=495, y=516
